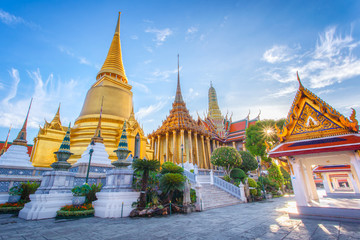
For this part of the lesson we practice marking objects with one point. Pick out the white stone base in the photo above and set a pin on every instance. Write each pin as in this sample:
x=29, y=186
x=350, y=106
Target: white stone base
x=109, y=204
x=44, y=206
x=99, y=156
x=16, y=155
x=4, y=197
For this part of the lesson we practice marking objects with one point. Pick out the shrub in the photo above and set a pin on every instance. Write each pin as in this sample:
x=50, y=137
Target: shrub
x=82, y=190
x=249, y=162
x=76, y=211
x=193, y=195
x=170, y=182
x=275, y=174
x=169, y=167
x=238, y=173
x=227, y=157
x=16, y=190
x=227, y=178
x=269, y=186
x=91, y=195
x=287, y=179
x=252, y=183
x=27, y=189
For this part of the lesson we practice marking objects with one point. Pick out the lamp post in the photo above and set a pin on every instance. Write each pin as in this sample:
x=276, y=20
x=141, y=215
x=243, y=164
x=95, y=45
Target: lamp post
x=90, y=155
x=182, y=155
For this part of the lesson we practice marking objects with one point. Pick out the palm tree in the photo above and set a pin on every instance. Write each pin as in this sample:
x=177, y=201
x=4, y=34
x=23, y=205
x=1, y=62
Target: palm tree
x=144, y=166
x=170, y=182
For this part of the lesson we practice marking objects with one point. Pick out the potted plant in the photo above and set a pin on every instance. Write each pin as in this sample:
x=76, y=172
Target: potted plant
x=15, y=194
x=79, y=193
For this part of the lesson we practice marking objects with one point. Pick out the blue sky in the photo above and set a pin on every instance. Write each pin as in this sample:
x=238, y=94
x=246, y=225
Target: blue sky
x=250, y=50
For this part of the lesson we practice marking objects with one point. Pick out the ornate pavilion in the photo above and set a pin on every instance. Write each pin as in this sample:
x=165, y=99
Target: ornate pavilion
x=315, y=137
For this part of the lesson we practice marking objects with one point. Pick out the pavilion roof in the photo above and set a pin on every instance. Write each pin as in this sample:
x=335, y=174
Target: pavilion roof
x=332, y=168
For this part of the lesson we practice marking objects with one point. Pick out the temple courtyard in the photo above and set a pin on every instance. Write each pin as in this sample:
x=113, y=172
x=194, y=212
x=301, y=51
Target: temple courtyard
x=259, y=220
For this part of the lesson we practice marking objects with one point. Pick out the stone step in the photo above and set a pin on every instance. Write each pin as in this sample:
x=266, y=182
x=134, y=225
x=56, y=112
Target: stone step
x=207, y=207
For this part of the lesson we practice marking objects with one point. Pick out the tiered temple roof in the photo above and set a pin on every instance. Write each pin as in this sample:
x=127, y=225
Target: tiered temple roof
x=179, y=118
x=313, y=126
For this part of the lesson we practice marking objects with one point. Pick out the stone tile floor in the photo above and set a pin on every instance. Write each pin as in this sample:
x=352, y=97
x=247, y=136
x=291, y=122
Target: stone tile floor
x=260, y=220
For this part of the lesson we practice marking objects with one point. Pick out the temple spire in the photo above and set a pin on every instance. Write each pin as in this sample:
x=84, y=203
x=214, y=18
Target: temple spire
x=56, y=123
x=6, y=143
x=113, y=65
x=21, y=137
x=178, y=97
x=298, y=78
x=123, y=144
x=97, y=136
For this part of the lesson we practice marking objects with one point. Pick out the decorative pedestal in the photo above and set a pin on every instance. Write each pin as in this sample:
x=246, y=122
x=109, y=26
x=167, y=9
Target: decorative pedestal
x=99, y=155
x=16, y=155
x=54, y=192
x=116, y=192
x=109, y=204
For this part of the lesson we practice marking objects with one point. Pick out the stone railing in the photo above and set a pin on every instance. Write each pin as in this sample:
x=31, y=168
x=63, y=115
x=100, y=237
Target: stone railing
x=229, y=187
x=191, y=176
x=207, y=172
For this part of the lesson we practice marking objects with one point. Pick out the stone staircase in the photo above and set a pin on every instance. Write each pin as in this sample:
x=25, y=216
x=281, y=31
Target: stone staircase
x=214, y=197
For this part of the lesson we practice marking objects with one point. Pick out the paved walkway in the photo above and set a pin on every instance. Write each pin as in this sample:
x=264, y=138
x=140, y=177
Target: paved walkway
x=261, y=220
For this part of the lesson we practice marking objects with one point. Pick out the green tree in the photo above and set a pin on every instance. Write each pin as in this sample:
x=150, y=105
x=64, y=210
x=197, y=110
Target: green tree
x=249, y=162
x=170, y=182
x=275, y=174
x=287, y=179
x=145, y=167
x=227, y=157
x=262, y=131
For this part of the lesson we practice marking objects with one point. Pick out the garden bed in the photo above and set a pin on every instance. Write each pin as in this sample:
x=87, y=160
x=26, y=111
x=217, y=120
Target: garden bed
x=71, y=211
x=7, y=208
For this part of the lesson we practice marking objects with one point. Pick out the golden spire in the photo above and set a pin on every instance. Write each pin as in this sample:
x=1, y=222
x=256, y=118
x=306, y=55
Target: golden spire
x=178, y=97
x=21, y=137
x=97, y=136
x=6, y=143
x=113, y=65
x=56, y=123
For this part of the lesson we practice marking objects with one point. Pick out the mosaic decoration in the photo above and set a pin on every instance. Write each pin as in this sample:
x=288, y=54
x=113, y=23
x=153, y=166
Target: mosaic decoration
x=311, y=120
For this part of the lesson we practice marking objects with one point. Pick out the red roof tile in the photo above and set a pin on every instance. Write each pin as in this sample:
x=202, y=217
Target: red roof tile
x=9, y=144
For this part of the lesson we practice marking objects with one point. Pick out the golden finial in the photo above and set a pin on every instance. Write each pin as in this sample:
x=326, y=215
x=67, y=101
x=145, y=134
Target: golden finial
x=298, y=78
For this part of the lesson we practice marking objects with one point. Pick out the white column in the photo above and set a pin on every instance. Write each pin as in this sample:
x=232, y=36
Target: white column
x=326, y=183
x=311, y=183
x=354, y=186
x=298, y=182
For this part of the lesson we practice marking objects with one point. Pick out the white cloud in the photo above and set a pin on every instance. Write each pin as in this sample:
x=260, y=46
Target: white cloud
x=284, y=92
x=331, y=61
x=150, y=110
x=161, y=34
x=14, y=74
x=192, y=30
x=46, y=93
x=134, y=37
x=141, y=86
x=10, y=19
x=82, y=60
x=164, y=75
x=278, y=53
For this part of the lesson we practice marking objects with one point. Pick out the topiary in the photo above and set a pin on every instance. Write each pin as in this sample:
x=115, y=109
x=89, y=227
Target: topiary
x=252, y=183
x=275, y=174
x=249, y=162
x=227, y=157
x=238, y=173
x=169, y=167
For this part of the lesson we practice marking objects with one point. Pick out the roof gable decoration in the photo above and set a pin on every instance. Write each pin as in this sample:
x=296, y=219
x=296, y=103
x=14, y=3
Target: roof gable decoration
x=311, y=117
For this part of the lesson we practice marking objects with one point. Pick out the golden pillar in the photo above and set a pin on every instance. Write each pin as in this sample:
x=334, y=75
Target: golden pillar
x=213, y=142
x=197, y=150
x=167, y=147
x=158, y=148
x=209, y=150
x=174, y=146
x=183, y=144
x=217, y=143
x=233, y=143
x=152, y=142
x=205, y=164
x=191, y=147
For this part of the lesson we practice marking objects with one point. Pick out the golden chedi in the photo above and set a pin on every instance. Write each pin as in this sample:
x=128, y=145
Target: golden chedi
x=112, y=86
